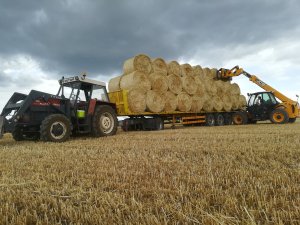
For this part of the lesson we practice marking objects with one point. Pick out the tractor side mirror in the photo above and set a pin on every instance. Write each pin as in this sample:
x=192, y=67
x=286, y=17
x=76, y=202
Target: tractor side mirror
x=248, y=94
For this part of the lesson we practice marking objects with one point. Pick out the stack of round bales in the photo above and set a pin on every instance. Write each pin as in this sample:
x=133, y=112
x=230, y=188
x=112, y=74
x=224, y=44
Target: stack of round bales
x=156, y=86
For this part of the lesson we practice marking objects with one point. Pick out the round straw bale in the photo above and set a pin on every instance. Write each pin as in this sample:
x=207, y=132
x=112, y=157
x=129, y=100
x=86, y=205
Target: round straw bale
x=242, y=101
x=197, y=103
x=114, y=84
x=217, y=104
x=206, y=72
x=208, y=105
x=159, y=65
x=227, y=104
x=159, y=82
x=137, y=100
x=171, y=101
x=155, y=101
x=174, y=68
x=211, y=87
x=198, y=71
x=174, y=83
x=184, y=102
x=200, y=86
x=135, y=80
x=140, y=63
x=235, y=101
x=186, y=69
x=189, y=85
x=213, y=73
x=235, y=89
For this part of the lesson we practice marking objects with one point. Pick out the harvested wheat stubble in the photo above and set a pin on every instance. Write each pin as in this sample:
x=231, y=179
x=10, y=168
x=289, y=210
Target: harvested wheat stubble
x=174, y=83
x=227, y=104
x=217, y=103
x=155, y=101
x=137, y=100
x=159, y=82
x=197, y=103
x=171, y=101
x=184, y=102
x=235, y=89
x=114, y=84
x=159, y=66
x=174, y=68
x=135, y=80
x=208, y=105
x=198, y=71
x=140, y=63
x=186, y=69
x=189, y=85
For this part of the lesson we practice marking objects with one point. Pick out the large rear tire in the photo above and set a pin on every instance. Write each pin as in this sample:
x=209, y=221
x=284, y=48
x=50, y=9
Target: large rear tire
x=55, y=128
x=239, y=118
x=105, y=122
x=279, y=116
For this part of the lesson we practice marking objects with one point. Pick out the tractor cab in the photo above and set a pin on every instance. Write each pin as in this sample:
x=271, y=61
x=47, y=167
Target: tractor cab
x=260, y=105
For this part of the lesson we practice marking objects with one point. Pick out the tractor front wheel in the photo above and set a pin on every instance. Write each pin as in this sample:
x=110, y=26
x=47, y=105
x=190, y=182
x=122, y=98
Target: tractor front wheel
x=279, y=116
x=55, y=128
x=18, y=134
x=105, y=122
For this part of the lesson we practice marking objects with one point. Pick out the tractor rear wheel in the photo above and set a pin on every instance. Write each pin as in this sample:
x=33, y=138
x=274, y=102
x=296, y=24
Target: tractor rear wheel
x=239, y=118
x=279, y=116
x=18, y=134
x=55, y=128
x=105, y=122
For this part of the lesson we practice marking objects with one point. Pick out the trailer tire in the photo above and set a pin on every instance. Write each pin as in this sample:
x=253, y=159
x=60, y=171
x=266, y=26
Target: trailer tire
x=105, y=122
x=239, y=118
x=18, y=134
x=210, y=120
x=55, y=128
x=219, y=120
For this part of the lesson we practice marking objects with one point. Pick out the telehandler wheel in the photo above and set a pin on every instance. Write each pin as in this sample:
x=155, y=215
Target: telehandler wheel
x=18, y=134
x=105, y=122
x=292, y=120
x=219, y=120
x=210, y=120
x=279, y=116
x=239, y=118
x=55, y=128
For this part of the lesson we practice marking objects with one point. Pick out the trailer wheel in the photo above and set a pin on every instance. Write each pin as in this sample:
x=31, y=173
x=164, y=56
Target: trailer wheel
x=239, y=118
x=105, y=122
x=219, y=120
x=279, y=116
x=55, y=128
x=18, y=134
x=210, y=120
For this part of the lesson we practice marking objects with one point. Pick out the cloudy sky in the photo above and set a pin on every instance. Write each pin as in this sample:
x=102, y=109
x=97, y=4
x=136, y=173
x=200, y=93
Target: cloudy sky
x=40, y=41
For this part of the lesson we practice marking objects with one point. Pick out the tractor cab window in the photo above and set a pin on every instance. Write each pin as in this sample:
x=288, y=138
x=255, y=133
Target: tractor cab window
x=251, y=100
x=99, y=93
x=258, y=100
x=266, y=99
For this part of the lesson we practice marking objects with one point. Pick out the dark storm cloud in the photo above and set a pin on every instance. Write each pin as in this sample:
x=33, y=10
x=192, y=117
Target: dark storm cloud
x=97, y=36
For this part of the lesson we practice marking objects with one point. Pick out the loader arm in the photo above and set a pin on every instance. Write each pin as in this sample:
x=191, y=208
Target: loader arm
x=289, y=104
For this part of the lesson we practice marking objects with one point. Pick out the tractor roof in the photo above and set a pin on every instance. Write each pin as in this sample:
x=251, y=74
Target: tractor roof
x=81, y=78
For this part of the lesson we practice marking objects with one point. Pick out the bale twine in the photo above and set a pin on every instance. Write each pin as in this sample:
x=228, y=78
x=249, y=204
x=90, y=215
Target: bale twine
x=235, y=89
x=235, y=101
x=242, y=101
x=159, y=82
x=159, y=66
x=217, y=104
x=208, y=105
x=184, y=102
x=188, y=84
x=198, y=71
x=227, y=104
x=186, y=69
x=154, y=101
x=137, y=100
x=140, y=63
x=114, y=84
x=135, y=80
x=197, y=103
x=174, y=68
x=171, y=101
x=174, y=83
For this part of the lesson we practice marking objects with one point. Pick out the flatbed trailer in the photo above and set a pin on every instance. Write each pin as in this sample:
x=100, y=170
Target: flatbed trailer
x=156, y=121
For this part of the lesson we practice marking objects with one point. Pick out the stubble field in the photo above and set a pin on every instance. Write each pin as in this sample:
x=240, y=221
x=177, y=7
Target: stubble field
x=191, y=175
